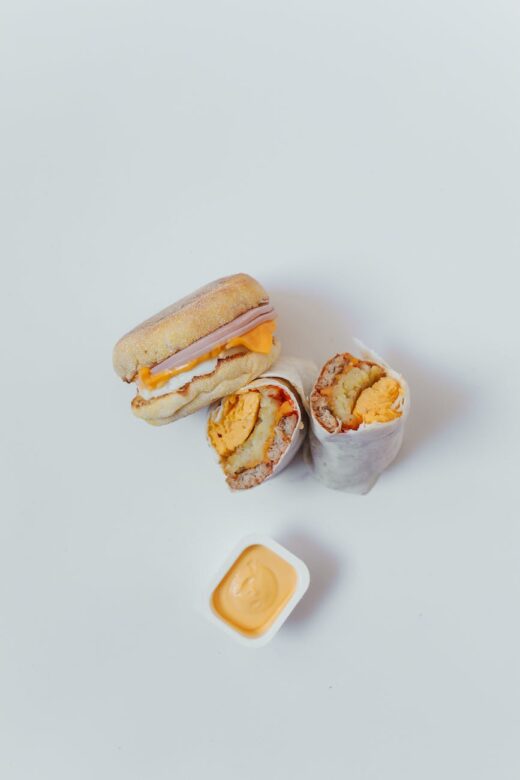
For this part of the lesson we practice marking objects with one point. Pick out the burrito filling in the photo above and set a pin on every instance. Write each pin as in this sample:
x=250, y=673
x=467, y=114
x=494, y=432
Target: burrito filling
x=352, y=392
x=251, y=431
x=173, y=373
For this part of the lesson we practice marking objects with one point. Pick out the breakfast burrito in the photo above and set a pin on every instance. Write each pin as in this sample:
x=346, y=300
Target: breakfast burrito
x=199, y=349
x=358, y=409
x=257, y=430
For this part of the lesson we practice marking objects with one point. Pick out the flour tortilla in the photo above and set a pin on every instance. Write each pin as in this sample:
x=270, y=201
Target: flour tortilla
x=299, y=374
x=353, y=460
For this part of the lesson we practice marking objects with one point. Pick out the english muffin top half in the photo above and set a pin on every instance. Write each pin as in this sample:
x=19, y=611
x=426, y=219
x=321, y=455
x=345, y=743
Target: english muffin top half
x=185, y=322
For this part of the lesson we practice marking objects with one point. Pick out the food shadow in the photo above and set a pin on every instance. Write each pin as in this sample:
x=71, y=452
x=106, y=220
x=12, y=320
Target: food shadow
x=311, y=326
x=436, y=403
x=324, y=567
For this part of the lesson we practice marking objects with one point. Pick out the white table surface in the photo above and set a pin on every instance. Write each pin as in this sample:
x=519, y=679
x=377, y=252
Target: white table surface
x=362, y=160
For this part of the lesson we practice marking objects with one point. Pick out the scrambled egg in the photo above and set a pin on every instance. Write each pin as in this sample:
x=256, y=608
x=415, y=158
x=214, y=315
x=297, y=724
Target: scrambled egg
x=237, y=419
x=362, y=394
x=243, y=429
x=254, y=450
x=375, y=403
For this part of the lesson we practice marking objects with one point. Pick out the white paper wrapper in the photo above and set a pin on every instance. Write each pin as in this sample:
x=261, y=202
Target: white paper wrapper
x=301, y=375
x=353, y=460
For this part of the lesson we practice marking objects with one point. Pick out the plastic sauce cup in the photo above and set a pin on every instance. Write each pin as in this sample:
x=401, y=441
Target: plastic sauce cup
x=256, y=589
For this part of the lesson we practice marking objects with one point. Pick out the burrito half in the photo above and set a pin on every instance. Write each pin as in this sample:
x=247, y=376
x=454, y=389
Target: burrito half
x=258, y=430
x=358, y=409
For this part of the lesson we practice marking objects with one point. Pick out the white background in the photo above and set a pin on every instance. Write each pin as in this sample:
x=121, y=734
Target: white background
x=362, y=160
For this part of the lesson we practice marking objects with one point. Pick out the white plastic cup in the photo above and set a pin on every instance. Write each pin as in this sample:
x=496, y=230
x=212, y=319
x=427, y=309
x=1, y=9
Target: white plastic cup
x=302, y=583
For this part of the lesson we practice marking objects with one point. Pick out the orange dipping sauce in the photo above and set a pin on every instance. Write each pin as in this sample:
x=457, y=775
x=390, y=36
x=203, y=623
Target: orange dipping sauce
x=254, y=591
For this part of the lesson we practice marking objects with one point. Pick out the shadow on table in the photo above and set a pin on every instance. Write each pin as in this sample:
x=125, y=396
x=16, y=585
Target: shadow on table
x=316, y=327
x=437, y=401
x=324, y=566
x=311, y=325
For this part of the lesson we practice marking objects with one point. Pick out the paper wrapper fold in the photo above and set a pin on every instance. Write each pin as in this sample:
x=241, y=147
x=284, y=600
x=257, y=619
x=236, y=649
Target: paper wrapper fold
x=353, y=460
x=300, y=375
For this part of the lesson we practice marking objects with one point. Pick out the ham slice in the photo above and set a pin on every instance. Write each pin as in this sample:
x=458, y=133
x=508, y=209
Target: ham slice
x=237, y=327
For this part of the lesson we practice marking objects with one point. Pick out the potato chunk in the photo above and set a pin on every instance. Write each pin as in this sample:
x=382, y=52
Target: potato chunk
x=346, y=389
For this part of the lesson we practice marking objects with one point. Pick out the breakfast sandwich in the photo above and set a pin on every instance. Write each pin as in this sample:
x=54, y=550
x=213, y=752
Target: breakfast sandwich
x=198, y=350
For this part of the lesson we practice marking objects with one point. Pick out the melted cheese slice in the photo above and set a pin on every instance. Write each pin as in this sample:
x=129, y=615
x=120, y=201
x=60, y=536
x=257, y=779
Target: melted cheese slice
x=259, y=339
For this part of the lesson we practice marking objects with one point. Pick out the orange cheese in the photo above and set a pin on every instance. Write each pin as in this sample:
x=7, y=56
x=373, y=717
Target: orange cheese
x=259, y=339
x=152, y=381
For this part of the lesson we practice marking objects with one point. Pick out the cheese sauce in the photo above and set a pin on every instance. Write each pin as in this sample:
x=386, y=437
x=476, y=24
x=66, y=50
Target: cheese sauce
x=255, y=590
